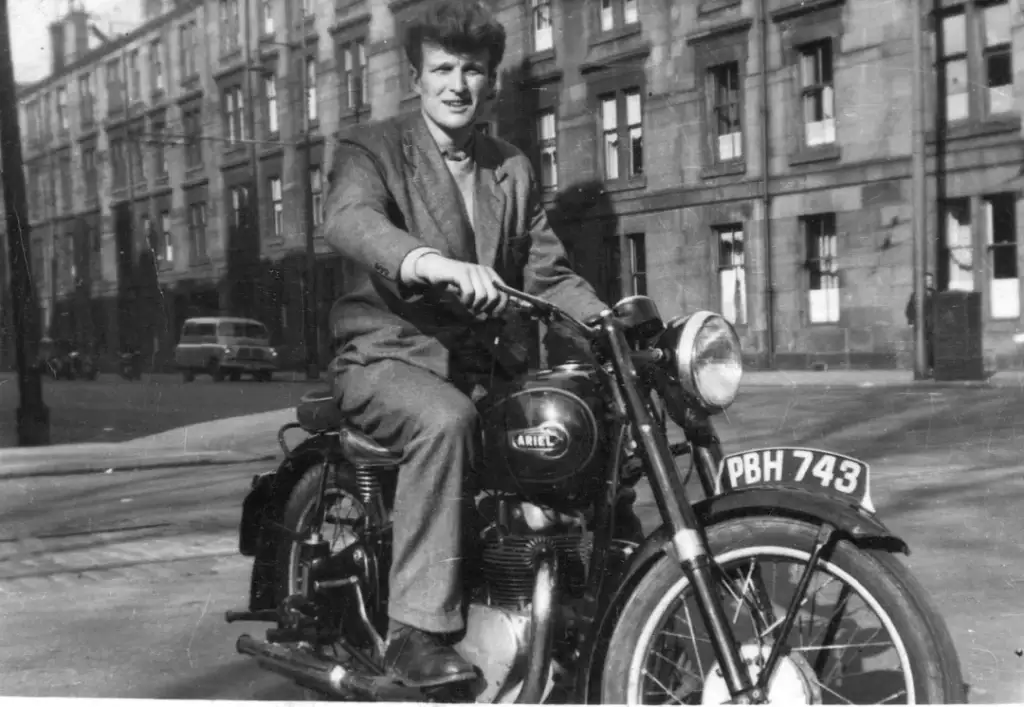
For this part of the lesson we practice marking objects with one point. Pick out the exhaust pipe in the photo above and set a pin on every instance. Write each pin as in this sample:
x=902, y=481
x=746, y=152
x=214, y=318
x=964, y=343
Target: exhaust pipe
x=545, y=597
x=324, y=676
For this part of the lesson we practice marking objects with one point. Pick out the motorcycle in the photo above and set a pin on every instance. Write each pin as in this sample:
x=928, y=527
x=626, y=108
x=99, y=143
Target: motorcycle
x=758, y=592
x=130, y=364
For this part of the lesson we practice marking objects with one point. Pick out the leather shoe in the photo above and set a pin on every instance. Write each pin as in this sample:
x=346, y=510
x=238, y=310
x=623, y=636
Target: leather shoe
x=419, y=659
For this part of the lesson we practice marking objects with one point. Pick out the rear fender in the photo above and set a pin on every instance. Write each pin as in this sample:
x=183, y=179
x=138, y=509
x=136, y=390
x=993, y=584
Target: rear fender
x=264, y=504
x=855, y=525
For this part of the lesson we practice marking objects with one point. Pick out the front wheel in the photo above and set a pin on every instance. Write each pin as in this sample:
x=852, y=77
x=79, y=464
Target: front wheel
x=865, y=633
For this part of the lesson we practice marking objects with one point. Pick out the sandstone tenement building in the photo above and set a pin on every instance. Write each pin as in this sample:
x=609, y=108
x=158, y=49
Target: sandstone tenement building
x=154, y=196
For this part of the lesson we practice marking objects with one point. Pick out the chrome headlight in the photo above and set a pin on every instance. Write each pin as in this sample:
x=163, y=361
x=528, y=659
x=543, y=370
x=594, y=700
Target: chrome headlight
x=708, y=359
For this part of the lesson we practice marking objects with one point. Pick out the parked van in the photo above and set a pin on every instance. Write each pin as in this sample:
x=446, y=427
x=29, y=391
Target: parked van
x=225, y=347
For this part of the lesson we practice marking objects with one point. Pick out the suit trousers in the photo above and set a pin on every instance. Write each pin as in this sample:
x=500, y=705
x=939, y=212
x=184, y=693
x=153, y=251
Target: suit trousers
x=435, y=426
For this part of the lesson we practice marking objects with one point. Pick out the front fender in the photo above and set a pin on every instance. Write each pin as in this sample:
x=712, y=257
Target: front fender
x=855, y=524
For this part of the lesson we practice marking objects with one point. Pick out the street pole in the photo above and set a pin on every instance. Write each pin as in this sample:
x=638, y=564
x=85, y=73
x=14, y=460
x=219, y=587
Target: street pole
x=310, y=318
x=920, y=192
x=253, y=210
x=33, y=417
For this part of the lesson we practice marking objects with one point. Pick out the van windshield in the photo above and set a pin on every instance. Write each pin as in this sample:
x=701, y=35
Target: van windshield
x=242, y=330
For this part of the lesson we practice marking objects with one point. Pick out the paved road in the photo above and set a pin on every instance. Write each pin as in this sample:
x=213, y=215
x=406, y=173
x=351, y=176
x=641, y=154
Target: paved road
x=114, y=410
x=115, y=585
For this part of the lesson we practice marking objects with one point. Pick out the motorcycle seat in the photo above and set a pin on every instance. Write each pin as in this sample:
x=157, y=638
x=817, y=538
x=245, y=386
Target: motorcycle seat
x=318, y=412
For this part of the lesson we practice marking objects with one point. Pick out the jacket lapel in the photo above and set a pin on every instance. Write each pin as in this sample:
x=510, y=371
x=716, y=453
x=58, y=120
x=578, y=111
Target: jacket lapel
x=491, y=200
x=436, y=187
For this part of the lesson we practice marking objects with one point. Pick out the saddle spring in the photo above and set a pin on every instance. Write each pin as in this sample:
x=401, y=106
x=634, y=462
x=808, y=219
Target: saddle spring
x=368, y=485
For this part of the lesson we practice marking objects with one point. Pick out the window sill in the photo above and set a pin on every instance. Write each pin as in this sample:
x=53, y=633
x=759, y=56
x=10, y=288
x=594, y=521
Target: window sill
x=724, y=169
x=193, y=172
x=190, y=82
x=818, y=153
x=157, y=95
x=164, y=265
x=966, y=129
x=620, y=185
x=162, y=180
x=230, y=54
x=708, y=7
x=199, y=262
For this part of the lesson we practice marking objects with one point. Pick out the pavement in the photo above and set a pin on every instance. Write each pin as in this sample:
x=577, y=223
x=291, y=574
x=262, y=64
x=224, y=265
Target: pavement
x=253, y=437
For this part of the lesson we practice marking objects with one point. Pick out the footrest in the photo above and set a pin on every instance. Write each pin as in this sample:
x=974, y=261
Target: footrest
x=264, y=615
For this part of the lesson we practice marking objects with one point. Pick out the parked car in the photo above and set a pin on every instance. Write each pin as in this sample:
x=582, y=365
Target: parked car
x=225, y=347
x=62, y=358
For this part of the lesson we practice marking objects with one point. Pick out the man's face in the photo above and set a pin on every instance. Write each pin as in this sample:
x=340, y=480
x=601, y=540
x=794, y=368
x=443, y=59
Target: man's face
x=452, y=87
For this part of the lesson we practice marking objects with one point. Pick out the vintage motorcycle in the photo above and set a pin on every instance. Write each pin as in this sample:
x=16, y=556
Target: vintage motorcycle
x=781, y=584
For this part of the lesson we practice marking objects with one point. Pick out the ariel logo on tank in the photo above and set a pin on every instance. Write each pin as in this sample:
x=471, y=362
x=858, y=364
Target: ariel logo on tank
x=549, y=440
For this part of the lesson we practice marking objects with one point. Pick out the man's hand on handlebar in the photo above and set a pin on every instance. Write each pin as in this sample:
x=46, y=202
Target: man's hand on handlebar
x=474, y=285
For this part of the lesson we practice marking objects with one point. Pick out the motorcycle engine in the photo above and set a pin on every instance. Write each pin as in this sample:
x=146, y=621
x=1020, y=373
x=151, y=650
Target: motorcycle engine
x=515, y=531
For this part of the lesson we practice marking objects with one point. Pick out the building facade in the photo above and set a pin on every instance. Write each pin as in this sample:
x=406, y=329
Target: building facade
x=754, y=160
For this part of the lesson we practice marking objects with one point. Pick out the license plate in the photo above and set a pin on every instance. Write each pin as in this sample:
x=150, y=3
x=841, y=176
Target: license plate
x=814, y=469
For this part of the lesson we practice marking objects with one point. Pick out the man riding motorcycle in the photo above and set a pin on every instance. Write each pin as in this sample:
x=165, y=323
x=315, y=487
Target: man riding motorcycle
x=418, y=203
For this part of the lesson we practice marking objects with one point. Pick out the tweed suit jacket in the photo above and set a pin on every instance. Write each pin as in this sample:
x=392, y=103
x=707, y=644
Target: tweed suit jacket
x=390, y=193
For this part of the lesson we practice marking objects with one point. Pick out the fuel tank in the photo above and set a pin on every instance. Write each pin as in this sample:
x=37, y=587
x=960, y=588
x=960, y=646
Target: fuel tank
x=543, y=435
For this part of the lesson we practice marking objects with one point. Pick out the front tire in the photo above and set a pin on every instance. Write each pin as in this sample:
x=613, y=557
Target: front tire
x=931, y=669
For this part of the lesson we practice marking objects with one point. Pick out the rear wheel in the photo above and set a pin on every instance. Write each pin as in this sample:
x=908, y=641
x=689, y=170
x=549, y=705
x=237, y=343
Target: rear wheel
x=345, y=521
x=866, y=632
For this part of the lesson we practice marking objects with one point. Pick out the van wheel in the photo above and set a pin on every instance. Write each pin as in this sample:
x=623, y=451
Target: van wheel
x=188, y=376
x=235, y=376
x=215, y=372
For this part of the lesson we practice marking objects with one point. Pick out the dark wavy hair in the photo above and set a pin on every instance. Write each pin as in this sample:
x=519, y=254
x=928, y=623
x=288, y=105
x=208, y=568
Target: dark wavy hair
x=458, y=26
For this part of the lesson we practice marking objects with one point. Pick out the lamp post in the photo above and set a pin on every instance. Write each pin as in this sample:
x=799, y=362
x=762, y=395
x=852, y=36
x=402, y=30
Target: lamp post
x=920, y=192
x=33, y=417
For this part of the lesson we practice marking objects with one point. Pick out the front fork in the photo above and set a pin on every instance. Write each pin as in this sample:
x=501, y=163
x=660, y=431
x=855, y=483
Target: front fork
x=687, y=545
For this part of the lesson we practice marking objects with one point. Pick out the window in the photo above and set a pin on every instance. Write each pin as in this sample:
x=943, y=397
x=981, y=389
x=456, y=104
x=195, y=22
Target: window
x=193, y=126
x=277, y=203
x=356, y=79
x=134, y=76
x=542, y=39
x=158, y=139
x=548, y=142
x=270, y=96
x=239, y=199
x=229, y=26
x=62, y=109
x=308, y=8
x=317, y=188
x=1001, y=234
x=234, y=112
x=311, y=98
x=617, y=13
x=114, y=98
x=66, y=194
x=622, y=128
x=95, y=242
x=726, y=124
x=118, y=163
x=85, y=100
x=954, y=66
x=89, y=176
x=188, y=45
x=997, y=58
x=197, y=230
x=823, y=288
x=267, y=16
x=138, y=167
x=156, y=66
x=165, y=251
x=637, y=262
x=817, y=93
x=732, y=273
x=958, y=246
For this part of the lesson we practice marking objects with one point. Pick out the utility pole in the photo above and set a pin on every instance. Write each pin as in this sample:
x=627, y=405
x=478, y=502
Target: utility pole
x=33, y=417
x=920, y=191
x=310, y=324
